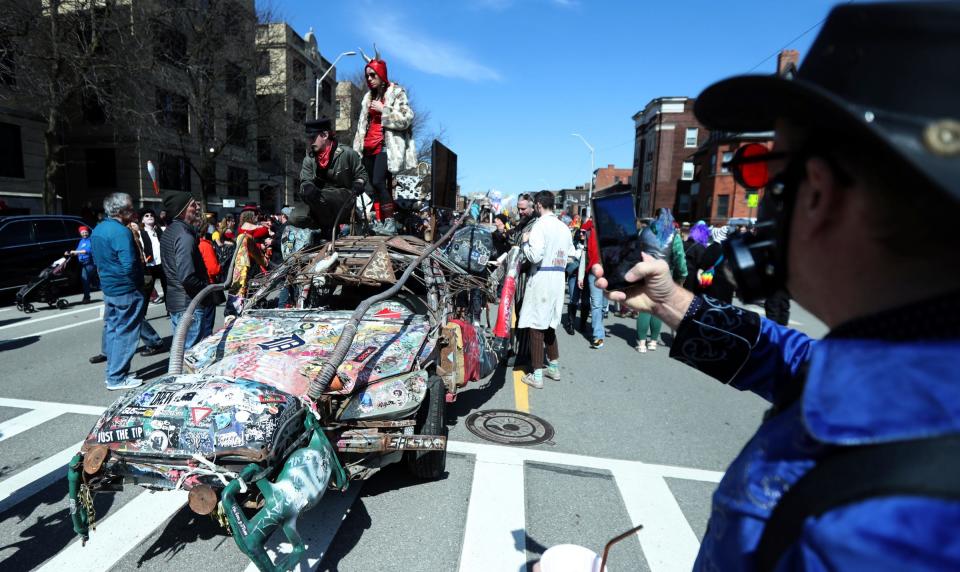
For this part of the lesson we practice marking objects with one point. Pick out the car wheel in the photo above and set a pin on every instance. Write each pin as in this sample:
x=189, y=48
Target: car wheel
x=431, y=420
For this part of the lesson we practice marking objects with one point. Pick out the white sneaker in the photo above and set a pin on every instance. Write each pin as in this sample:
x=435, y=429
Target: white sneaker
x=652, y=345
x=127, y=383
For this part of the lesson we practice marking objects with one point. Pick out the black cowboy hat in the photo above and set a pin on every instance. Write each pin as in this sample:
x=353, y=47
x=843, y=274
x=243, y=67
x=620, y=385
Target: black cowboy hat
x=313, y=127
x=886, y=74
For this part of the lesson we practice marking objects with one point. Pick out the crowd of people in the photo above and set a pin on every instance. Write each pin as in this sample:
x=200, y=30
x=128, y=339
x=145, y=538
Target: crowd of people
x=854, y=466
x=139, y=258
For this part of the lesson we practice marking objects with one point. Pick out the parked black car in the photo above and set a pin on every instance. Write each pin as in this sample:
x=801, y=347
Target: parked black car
x=29, y=243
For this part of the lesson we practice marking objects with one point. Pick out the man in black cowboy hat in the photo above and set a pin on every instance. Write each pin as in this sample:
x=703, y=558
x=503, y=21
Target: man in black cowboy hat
x=857, y=464
x=331, y=176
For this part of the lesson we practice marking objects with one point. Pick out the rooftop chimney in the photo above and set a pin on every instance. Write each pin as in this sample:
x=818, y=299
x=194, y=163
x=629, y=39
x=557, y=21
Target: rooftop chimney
x=786, y=60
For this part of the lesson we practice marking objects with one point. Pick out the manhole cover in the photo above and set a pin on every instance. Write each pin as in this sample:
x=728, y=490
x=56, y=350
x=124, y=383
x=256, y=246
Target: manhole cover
x=508, y=427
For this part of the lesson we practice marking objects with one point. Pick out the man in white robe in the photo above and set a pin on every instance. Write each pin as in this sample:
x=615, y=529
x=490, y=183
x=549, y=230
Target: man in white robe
x=546, y=245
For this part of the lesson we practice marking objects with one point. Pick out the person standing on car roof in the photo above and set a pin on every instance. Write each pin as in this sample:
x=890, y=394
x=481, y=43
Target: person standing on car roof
x=546, y=245
x=183, y=265
x=856, y=466
x=331, y=177
x=384, y=138
x=84, y=254
x=121, y=280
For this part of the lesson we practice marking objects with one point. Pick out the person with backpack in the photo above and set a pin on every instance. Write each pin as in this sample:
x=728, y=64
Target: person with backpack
x=712, y=279
x=856, y=466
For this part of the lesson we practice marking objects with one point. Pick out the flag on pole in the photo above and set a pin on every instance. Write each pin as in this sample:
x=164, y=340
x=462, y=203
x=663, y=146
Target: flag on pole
x=153, y=177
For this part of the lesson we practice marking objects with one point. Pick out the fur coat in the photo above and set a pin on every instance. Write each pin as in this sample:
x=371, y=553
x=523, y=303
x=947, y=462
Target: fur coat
x=397, y=121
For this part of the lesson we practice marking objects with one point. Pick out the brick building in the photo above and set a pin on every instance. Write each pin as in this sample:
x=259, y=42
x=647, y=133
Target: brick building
x=608, y=176
x=666, y=134
x=713, y=195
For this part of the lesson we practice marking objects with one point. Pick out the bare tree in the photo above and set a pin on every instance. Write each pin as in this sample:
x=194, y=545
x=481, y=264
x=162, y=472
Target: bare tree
x=59, y=58
x=205, y=93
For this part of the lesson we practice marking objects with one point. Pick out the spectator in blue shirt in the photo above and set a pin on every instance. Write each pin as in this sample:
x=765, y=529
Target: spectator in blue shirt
x=84, y=254
x=855, y=465
x=121, y=279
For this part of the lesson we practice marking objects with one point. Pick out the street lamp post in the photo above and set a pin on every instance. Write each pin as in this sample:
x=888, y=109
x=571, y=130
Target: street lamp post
x=316, y=88
x=590, y=190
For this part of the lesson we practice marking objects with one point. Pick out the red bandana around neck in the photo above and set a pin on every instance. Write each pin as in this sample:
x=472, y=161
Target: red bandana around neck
x=324, y=155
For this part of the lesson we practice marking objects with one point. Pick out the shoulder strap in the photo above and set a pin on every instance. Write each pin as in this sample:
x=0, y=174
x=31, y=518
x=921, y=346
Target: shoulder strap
x=923, y=467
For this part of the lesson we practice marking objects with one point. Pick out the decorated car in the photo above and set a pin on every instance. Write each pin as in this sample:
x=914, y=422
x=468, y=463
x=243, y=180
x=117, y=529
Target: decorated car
x=260, y=419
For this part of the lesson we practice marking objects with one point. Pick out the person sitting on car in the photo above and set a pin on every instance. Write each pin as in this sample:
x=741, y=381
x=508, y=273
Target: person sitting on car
x=331, y=175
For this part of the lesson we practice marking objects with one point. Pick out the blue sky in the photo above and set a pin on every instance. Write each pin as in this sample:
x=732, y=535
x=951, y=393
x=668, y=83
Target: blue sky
x=510, y=80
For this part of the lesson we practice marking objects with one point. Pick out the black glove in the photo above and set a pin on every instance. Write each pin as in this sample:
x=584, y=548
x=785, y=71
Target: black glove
x=358, y=188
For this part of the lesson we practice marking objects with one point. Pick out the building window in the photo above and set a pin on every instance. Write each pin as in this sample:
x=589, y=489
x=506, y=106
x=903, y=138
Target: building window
x=236, y=131
x=11, y=151
x=723, y=206
x=169, y=45
x=172, y=110
x=327, y=92
x=8, y=65
x=686, y=174
x=92, y=108
x=690, y=140
x=713, y=164
x=101, y=168
x=299, y=70
x=233, y=79
x=237, y=181
x=264, y=149
x=727, y=157
x=263, y=63
x=694, y=188
x=299, y=111
x=174, y=172
x=339, y=110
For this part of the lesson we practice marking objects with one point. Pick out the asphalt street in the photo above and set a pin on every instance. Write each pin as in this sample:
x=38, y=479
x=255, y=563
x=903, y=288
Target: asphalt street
x=639, y=440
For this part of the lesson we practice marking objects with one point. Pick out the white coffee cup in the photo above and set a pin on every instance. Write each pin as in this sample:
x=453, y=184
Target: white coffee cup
x=570, y=558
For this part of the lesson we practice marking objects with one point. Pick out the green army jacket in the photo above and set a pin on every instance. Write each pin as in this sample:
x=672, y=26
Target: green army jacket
x=345, y=168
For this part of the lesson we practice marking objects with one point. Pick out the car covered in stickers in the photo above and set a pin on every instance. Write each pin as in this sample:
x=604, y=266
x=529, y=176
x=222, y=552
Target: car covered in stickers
x=282, y=404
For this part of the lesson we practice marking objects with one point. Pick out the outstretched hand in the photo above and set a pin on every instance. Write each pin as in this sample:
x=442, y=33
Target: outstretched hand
x=654, y=293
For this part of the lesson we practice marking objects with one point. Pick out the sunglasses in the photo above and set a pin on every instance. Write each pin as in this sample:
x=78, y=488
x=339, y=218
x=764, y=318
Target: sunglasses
x=750, y=165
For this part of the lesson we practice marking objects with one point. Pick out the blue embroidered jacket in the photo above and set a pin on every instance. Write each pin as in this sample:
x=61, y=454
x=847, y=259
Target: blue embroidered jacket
x=857, y=391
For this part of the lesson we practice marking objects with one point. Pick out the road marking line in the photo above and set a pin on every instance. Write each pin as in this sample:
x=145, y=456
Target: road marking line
x=520, y=454
x=52, y=330
x=59, y=408
x=15, y=488
x=119, y=533
x=494, y=537
x=27, y=421
x=54, y=317
x=521, y=394
x=667, y=541
x=317, y=527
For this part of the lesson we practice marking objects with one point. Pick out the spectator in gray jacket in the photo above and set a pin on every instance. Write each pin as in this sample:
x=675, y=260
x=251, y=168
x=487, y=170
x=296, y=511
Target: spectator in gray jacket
x=183, y=266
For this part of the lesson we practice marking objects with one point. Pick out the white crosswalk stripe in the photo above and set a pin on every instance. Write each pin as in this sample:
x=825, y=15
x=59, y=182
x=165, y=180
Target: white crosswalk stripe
x=495, y=517
x=119, y=533
x=494, y=533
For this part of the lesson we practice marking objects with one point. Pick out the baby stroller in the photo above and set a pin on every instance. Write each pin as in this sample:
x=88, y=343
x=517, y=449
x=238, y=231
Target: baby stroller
x=46, y=287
